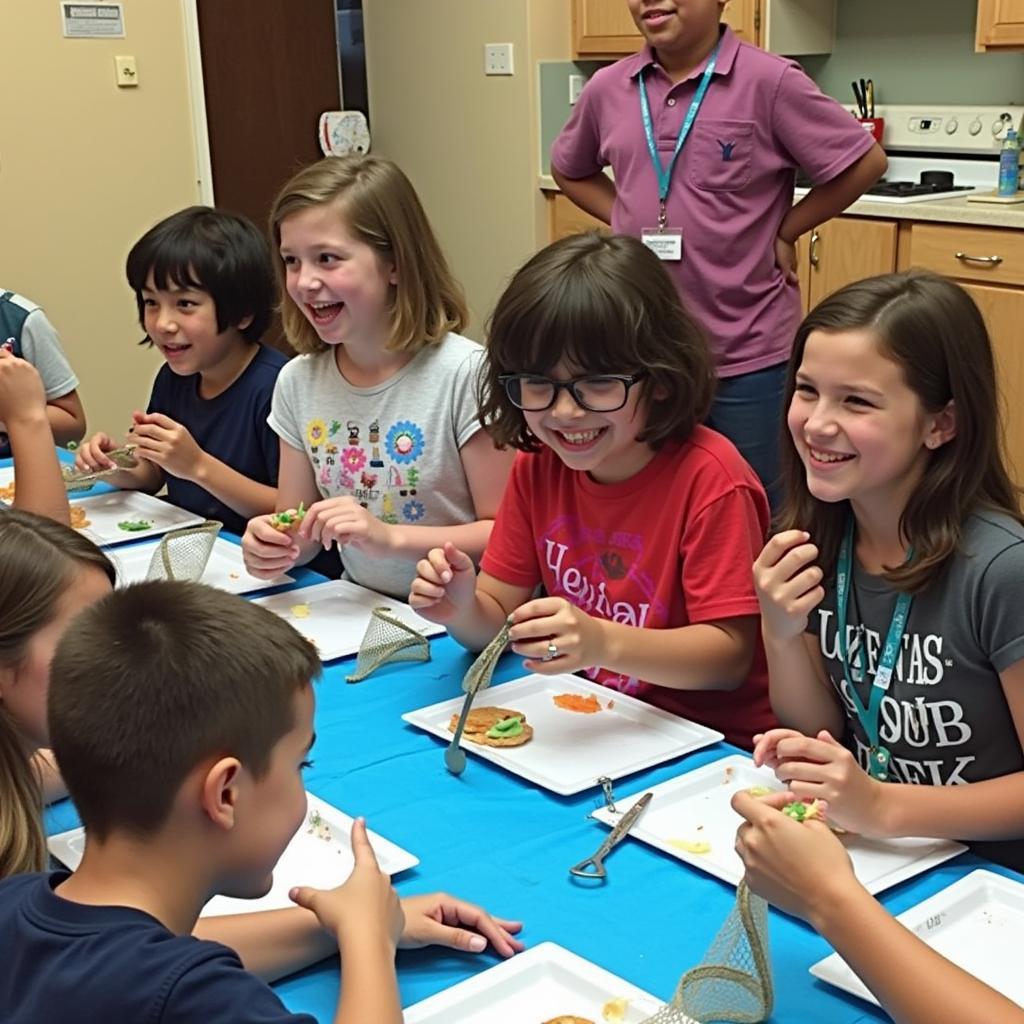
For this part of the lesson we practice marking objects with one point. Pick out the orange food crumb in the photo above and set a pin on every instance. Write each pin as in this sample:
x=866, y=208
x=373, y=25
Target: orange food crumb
x=576, y=702
x=610, y=705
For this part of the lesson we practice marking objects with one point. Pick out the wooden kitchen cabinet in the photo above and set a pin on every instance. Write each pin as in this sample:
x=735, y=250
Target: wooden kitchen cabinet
x=604, y=28
x=989, y=264
x=1000, y=25
x=843, y=250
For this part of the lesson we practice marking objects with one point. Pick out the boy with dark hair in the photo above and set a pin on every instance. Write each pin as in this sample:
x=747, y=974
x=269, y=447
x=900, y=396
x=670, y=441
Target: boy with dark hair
x=194, y=788
x=204, y=285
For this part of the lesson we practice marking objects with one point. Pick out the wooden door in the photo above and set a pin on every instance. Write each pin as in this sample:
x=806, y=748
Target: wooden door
x=849, y=249
x=1000, y=24
x=269, y=70
x=1003, y=310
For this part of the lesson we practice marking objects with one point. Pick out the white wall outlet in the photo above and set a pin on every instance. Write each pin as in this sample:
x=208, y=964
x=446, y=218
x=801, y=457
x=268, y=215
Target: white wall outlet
x=126, y=72
x=576, y=83
x=498, y=59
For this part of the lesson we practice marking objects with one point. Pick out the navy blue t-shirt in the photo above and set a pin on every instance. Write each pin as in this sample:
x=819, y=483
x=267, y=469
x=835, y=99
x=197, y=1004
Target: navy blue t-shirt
x=65, y=961
x=231, y=427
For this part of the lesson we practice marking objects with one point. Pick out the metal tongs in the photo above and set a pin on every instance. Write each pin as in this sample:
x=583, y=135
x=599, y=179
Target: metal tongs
x=123, y=458
x=477, y=678
x=593, y=867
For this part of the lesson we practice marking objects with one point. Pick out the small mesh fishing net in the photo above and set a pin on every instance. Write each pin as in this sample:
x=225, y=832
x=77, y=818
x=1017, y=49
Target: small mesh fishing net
x=733, y=981
x=183, y=554
x=388, y=638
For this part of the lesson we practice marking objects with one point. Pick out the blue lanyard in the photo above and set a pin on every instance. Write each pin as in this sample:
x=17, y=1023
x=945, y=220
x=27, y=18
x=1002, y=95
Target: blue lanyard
x=665, y=173
x=883, y=675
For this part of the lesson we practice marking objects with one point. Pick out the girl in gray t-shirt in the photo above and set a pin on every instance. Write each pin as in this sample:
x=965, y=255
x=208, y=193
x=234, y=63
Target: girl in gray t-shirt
x=893, y=599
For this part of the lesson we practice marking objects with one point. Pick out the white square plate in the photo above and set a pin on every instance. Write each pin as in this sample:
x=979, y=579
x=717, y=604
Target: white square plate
x=225, y=569
x=694, y=808
x=570, y=751
x=540, y=983
x=337, y=614
x=308, y=859
x=977, y=922
x=105, y=511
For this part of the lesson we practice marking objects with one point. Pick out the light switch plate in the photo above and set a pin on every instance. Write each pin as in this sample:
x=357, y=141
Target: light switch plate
x=126, y=71
x=576, y=83
x=498, y=59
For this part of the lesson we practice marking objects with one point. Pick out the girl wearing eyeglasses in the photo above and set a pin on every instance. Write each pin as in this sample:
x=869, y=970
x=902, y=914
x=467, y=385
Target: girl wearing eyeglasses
x=640, y=523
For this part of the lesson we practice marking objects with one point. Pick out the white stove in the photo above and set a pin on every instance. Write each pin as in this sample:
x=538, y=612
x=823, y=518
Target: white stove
x=961, y=142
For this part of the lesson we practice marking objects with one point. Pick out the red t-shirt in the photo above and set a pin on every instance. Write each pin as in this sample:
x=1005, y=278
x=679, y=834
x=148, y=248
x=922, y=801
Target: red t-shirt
x=671, y=546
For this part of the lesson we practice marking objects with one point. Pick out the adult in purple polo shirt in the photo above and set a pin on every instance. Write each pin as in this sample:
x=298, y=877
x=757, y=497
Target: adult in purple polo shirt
x=730, y=192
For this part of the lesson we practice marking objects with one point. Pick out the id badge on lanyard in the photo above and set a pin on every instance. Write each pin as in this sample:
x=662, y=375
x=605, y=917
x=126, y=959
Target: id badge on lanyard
x=667, y=242
x=878, y=755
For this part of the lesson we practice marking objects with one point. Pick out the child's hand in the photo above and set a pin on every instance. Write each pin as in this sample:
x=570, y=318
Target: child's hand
x=267, y=552
x=445, y=584
x=823, y=769
x=785, y=259
x=90, y=455
x=442, y=920
x=344, y=521
x=21, y=390
x=553, y=621
x=766, y=746
x=365, y=906
x=167, y=444
x=797, y=866
x=788, y=584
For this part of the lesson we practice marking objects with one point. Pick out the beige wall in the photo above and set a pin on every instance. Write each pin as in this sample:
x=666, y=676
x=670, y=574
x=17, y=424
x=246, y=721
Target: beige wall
x=470, y=143
x=85, y=168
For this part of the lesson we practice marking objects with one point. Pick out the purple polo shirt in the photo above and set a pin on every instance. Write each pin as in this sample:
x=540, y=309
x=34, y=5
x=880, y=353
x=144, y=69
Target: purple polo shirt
x=761, y=119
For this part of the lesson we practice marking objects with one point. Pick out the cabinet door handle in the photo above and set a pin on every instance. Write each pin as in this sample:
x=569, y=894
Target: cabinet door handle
x=990, y=261
x=815, y=238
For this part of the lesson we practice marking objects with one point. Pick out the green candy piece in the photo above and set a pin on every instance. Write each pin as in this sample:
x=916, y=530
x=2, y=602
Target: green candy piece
x=134, y=525
x=505, y=728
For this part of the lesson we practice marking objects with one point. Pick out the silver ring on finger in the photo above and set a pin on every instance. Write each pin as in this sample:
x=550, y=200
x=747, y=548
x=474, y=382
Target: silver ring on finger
x=552, y=652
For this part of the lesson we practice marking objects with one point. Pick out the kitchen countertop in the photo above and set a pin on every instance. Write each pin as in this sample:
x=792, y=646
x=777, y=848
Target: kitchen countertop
x=943, y=211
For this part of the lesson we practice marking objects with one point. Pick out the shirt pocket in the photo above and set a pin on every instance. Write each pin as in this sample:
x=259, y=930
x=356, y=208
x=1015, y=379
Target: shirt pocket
x=722, y=156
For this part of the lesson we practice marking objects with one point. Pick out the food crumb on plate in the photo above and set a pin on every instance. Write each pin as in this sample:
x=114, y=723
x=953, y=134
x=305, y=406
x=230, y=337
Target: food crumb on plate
x=690, y=846
x=587, y=705
x=614, y=1011
x=300, y=611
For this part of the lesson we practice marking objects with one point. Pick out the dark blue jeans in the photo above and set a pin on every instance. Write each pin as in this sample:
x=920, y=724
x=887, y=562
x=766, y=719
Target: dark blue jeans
x=748, y=410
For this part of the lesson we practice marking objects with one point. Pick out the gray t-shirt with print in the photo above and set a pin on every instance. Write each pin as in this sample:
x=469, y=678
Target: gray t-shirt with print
x=945, y=719
x=394, y=447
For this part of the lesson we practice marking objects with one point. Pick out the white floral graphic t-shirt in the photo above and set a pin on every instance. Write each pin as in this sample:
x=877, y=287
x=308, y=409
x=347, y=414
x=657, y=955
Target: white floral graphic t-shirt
x=394, y=447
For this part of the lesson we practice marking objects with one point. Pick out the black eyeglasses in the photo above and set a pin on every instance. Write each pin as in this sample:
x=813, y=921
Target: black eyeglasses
x=599, y=392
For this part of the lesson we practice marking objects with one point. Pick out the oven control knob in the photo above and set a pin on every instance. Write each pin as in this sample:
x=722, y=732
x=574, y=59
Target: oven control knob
x=975, y=126
x=951, y=126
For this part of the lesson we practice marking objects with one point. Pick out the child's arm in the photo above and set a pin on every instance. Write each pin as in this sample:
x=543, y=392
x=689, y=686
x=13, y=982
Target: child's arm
x=447, y=590
x=701, y=656
x=40, y=486
x=789, y=588
x=267, y=552
x=67, y=418
x=821, y=768
x=91, y=457
x=366, y=918
x=275, y=943
x=343, y=520
x=167, y=444
x=595, y=195
x=804, y=870
x=824, y=202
